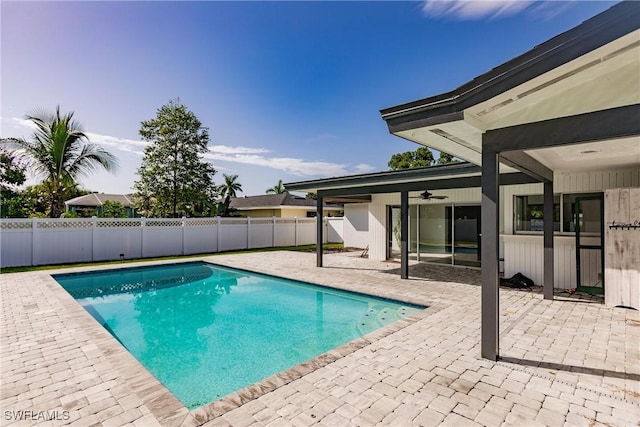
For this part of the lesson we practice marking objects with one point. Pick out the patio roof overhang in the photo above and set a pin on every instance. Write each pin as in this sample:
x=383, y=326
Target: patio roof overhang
x=458, y=175
x=594, y=67
x=569, y=104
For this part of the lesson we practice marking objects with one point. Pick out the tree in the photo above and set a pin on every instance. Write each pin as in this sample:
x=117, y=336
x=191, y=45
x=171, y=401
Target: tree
x=60, y=153
x=229, y=190
x=419, y=158
x=277, y=189
x=411, y=159
x=173, y=175
x=311, y=196
x=113, y=209
x=12, y=175
x=445, y=159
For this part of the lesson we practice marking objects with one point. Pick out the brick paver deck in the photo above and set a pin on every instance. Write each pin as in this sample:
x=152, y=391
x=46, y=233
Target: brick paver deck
x=566, y=362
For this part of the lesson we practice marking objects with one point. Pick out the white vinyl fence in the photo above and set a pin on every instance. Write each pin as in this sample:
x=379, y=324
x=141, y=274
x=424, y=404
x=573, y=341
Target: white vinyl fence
x=57, y=241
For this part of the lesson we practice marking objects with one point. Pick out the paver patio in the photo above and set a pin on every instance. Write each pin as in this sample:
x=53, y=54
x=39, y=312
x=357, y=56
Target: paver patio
x=566, y=362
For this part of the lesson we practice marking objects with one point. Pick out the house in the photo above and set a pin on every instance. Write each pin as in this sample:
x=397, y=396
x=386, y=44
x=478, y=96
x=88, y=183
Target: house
x=551, y=183
x=283, y=205
x=91, y=204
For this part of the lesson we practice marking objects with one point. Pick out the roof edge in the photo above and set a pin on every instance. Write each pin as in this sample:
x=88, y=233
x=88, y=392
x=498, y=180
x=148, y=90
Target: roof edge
x=615, y=22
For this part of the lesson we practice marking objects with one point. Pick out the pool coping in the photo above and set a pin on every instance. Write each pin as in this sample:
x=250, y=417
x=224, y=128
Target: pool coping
x=162, y=404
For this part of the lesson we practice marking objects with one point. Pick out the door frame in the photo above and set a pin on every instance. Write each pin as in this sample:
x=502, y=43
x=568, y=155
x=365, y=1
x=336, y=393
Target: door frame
x=595, y=290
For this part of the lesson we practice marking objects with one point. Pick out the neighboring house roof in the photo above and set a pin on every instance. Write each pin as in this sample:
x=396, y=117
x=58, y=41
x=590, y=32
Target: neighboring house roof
x=273, y=201
x=98, y=199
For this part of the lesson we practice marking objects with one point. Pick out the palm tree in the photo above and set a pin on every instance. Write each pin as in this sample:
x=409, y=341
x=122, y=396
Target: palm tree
x=277, y=189
x=228, y=190
x=60, y=153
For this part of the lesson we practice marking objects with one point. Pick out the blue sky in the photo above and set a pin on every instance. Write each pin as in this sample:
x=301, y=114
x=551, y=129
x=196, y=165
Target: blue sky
x=288, y=90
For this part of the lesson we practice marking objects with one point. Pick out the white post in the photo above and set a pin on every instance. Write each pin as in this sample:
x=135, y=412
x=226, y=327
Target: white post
x=142, y=227
x=218, y=234
x=273, y=234
x=94, y=224
x=248, y=232
x=184, y=226
x=34, y=240
x=295, y=231
x=325, y=235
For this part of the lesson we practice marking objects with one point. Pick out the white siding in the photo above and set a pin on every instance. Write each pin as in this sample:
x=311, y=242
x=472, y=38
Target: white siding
x=356, y=225
x=521, y=253
x=378, y=224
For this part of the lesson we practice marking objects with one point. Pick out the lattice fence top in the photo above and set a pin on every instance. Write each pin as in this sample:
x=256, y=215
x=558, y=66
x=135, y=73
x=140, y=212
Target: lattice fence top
x=163, y=223
x=262, y=221
x=233, y=221
x=285, y=221
x=67, y=223
x=8, y=225
x=119, y=223
x=201, y=221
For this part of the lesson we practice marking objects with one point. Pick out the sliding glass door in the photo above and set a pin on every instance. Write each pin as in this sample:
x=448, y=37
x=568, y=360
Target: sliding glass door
x=466, y=232
x=434, y=233
x=439, y=233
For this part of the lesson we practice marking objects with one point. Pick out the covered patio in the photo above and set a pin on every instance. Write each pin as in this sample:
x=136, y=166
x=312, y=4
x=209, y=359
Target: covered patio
x=569, y=104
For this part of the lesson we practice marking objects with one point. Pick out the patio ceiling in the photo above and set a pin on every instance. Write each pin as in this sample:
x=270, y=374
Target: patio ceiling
x=593, y=67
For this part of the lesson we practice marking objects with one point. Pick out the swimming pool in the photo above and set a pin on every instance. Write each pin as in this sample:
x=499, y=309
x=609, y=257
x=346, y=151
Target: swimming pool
x=205, y=331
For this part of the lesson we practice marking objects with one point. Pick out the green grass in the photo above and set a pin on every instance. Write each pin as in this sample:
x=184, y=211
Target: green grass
x=305, y=248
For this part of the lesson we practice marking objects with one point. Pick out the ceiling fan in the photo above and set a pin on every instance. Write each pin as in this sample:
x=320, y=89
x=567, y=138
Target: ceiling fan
x=428, y=196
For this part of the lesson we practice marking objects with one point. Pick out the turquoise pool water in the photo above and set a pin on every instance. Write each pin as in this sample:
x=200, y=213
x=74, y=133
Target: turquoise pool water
x=206, y=331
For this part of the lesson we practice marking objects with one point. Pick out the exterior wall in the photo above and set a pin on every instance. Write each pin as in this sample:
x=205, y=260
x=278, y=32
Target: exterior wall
x=356, y=225
x=282, y=213
x=262, y=213
x=521, y=252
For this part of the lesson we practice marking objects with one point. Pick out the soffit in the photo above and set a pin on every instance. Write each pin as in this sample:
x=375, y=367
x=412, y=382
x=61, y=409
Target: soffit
x=604, y=78
x=616, y=153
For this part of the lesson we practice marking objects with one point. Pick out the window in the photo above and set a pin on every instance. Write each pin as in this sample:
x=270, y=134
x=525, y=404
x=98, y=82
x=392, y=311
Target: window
x=529, y=212
x=529, y=215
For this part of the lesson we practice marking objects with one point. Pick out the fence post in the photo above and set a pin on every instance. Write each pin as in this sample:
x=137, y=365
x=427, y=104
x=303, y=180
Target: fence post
x=273, y=234
x=94, y=224
x=295, y=231
x=184, y=226
x=249, y=232
x=34, y=231
x=142, y=227
x=218, y=234
x=325, y=235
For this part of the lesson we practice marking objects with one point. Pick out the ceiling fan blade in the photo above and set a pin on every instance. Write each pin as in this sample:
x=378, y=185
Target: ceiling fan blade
x=439, y=197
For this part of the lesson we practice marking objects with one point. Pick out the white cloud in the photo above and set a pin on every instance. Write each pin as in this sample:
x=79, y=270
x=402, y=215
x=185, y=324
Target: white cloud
x=474, y=9
x=224, y=149
x=244, y=155
x=131, y=145
x=294, y=166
